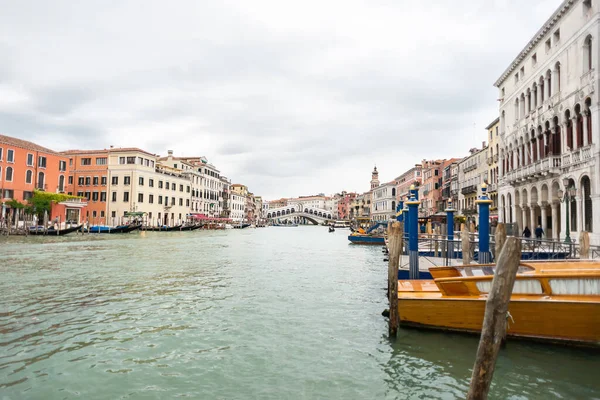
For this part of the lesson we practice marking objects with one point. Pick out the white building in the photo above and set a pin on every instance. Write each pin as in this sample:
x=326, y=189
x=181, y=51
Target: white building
x=137, y=182
x=211, y=189
x=472, y=172
x=383, y=207
x=188, y=170
x=238, y=206
x=549, y=126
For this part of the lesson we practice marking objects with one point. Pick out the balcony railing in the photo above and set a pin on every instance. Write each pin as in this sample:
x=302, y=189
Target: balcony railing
x=470, y=168
x=469, y=189
x=549, y=165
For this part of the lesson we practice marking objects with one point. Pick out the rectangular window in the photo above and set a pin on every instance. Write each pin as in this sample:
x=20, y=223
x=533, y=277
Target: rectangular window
x=86, y=161
x=101, y=214
x=140, y=197
x=126, y=180
x=159, y=199
x=42, y=162
x=70, y=179
x=522, y=71
x=556, y=36
x=10, y=156
x=94, y=213
x=114, y=196
x=181, y=188
x=548, y=45
x=180, y=201
x=187, y=202
x=115, y=180
x=130, y=160
x=160, y=184
x=81, y=181
x=125, y=196
x=534, y=60
x=113, y=214
x=166, y=201
x=102, y=196
x=95, y=196
x=87, y=181
x=121, y=160
x=30, y=160
x=101, y=160
x=151, y=198
x=141, y=181
x=151, y=182
x=79, y=194
x=0, y=153
x=172, y=201
x=167, y=185
x=62, y=166
x=188, y=189
x=103, y=181
x=95, y=181
x=88, y=195
x=173, y=186
x=70, y=162
x=27, y=195
x=175, y=166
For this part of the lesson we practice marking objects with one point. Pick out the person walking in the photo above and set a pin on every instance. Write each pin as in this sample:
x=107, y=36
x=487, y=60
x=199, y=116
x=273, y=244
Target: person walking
x=539, y=232
x=527, y=232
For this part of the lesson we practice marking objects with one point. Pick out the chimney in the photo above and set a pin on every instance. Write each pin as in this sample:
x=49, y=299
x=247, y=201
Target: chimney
x=170, y=152
x=112, y=147
x=483, y=144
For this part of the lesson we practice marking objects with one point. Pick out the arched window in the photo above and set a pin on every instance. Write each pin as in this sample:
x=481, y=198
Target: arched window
x=40, y=182
x=569, y=132
x=588, y=104
x=29, y=176
x=393, y=191
x=587, y=53
x=61, y=183
x=557, y=76
x=587, y=204
x=9, y=174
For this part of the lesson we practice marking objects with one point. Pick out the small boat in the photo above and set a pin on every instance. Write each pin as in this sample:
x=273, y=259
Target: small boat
x=331, y=229
x=359, y=238
x=39, y=230
x=288, y=225
x=188, y=228
x=105, y=229
x=228, y=226
x=341, y=224
x=556, y=301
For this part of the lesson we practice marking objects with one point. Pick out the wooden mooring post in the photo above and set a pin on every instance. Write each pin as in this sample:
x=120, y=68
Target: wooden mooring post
x=395, y=239
x=584, y=245
x=494, y=321
x=500, y=239
x=466, y=245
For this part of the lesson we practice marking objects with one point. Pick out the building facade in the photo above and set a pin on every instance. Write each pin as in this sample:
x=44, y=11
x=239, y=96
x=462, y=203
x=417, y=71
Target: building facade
x=472, y=172
x=384, y=202
x=549, y=127
x=26, y=166
x=411, y=177
x=493, y=148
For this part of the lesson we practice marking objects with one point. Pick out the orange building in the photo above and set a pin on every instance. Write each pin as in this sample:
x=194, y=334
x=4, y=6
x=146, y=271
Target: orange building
x=25, y=166
x=88, y=174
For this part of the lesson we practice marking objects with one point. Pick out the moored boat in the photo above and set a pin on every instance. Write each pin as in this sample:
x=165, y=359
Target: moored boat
x=39, y=230
x=104, y=229
x=359, y=238
x=162, y=228
x=551, y=301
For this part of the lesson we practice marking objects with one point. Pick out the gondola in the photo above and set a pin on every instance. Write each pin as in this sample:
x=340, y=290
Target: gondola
x=129, y=228
x=331, y=229
x=39, y=230
x=162, y=228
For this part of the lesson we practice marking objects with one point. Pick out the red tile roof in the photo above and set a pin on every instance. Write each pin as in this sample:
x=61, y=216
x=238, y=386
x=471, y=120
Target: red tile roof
x=24, y=144
x=112, y=150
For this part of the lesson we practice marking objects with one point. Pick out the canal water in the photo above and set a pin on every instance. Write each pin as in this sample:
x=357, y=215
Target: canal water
x=273, y=313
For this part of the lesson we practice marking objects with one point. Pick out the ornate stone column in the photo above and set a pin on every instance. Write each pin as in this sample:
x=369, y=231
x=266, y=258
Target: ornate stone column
x=586, y=115
x=524, y=217
x=544, y=210
x=532, y=218
x=579, y=207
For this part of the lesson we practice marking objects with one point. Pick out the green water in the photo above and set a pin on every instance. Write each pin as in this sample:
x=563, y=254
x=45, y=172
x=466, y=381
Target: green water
x=273, y=313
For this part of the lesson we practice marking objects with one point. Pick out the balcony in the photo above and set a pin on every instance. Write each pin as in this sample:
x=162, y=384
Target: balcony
x=470, y=168
x=495, y=157
x=469, y=189
x=490, y=160
x=492, y=187
x=548, y=166
x=577, y=156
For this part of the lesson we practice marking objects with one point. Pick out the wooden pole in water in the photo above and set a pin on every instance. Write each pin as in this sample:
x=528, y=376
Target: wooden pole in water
x=494, y=321
x=584, y=245
x=466, y=245
x=395, y=247
x=500, y=239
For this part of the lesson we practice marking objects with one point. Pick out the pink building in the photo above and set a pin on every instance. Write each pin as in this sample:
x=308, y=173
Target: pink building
x=403, y=183
x=344, y=205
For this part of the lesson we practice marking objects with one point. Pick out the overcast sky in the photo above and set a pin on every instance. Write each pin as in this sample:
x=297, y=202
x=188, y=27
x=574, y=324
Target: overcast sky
x=289, y=98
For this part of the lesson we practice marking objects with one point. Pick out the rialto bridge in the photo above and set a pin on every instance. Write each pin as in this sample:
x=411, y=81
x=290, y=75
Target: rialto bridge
x=299, y=214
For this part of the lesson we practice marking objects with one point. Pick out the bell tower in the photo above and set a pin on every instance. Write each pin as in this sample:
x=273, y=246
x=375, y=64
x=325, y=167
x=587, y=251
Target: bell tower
x=374, y=178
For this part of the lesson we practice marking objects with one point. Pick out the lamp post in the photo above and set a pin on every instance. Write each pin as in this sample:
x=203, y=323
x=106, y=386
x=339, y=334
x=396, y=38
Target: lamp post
x=567, y=197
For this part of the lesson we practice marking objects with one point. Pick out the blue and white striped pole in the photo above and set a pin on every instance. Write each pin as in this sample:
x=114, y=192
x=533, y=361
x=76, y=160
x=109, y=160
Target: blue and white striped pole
x=485, y=257
x=450, y=228
x=413, y=238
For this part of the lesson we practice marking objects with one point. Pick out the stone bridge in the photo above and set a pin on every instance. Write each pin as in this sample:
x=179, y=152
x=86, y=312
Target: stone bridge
x=299, y=215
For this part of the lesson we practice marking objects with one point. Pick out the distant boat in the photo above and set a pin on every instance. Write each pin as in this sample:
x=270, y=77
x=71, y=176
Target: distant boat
x=162, y=228
x=105, y=229
x=331, y=229
x=341, y=224
x=39, y=230
x=289, y=225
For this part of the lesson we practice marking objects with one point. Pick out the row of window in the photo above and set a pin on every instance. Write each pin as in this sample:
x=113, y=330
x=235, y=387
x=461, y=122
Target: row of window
x=10, y=158
x=136, y=160
x=9, y=176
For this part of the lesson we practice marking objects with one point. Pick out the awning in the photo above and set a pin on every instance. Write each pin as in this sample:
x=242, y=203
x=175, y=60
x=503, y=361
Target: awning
x=134, y=213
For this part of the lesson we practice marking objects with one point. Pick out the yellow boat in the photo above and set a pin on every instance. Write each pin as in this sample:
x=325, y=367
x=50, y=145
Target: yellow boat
x=551, y=301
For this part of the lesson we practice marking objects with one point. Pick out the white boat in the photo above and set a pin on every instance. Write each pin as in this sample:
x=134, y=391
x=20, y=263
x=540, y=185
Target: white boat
x=341, y=224
x=228, y=226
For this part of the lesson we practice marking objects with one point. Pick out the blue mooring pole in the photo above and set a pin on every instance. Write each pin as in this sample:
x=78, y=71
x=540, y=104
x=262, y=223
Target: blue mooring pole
x=450, y=228
x=413, y=238
x=399, y=211
x=485, y=257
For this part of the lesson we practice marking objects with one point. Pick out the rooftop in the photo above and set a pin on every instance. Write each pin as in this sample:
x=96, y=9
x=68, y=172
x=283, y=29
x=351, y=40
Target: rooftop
x=24, y=144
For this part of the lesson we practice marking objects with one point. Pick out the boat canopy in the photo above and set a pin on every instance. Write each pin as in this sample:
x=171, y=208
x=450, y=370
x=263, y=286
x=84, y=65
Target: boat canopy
x=134, y=213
